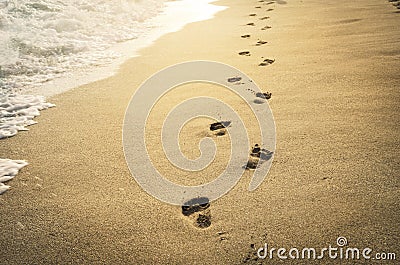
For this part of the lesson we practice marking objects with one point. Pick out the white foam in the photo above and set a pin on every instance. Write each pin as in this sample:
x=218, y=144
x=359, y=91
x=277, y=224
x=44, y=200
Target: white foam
x=18, y=111
x=50, y=46
x=43, y=39
x=80, y=44
x=8, y=170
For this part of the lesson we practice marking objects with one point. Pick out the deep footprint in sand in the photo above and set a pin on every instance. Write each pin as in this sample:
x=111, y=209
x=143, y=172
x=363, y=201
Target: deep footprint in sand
x=266, y=27
x=267, y=62
x=261, y=42
x=219, y=125
x=266, y=95
x=253, y=15
x=246, y=36
x=258, y=155
x=245, y=53
x=203, y=220
x=250, y=24
x=197, y=210
x=261, y=97
x=269, y=9
x=264, y=18
x=234, y=79
x=219, y=128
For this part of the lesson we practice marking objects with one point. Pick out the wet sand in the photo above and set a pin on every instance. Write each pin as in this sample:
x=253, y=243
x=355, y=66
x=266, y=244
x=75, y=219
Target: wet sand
x=333, y=73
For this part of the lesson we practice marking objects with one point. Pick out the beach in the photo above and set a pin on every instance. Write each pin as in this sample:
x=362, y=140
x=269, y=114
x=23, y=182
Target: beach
x=335, y=173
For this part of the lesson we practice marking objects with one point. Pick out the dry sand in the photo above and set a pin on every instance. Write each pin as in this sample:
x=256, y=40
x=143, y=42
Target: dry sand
x=335, y=98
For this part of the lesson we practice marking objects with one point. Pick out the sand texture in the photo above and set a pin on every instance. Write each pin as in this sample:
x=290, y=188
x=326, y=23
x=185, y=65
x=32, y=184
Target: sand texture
x=333, y=70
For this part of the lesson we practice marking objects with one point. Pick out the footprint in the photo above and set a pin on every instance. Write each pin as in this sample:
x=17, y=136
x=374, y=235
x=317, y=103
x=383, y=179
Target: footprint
x=253, y=15
x=197, y=210
x=257, y=7
x=245, y=36
x=266, y=95
x=264, y=18
x=261, y=42
x=269, y=9
x=250, y=24
x=252, y=163
x=203, y=220
x=266, y=27
x=195, y=205
x=234, y=79
x=219, y=125
x=267, y=62
x=262, y=98
x=219, y=128
x=261, y=153
x=245, y=53
x=258, y=155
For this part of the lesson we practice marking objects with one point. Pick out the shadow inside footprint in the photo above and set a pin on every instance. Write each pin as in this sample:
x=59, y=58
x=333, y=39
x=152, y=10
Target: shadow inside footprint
x=266, y=95
x=258, y=155
x=219, y=125
x=203, y=220
x=250, y=24
x=264, y=18
x=261, y=42
x=195, y=205
x=253, y=15
x=252, y=163
x=267, y=62
x=245, y=53
x=261, y=153
x=245, y=36
x=234, y=79
x=266, y=27
x=197, y=210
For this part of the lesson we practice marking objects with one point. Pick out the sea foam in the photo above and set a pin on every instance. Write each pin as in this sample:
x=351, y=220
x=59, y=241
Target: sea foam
x=18, y=111
x=8, y=170
x=44, y=39
x=49, y=46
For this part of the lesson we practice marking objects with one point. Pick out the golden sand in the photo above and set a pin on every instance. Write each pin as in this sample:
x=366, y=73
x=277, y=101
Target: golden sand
x=335, y=99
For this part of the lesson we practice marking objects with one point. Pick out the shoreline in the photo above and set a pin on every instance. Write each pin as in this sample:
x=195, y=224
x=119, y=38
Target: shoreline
x=162, y=24
x=335, y=104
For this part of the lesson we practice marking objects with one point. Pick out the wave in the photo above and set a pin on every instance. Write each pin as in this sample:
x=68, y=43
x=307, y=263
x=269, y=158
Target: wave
x=44, y=39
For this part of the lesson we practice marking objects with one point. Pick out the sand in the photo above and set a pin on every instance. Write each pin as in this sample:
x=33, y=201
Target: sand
x=335, y=172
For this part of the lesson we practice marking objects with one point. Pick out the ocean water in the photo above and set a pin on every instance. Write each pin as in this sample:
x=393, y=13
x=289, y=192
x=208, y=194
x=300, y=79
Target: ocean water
x=50, y=46
x=44, y=39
